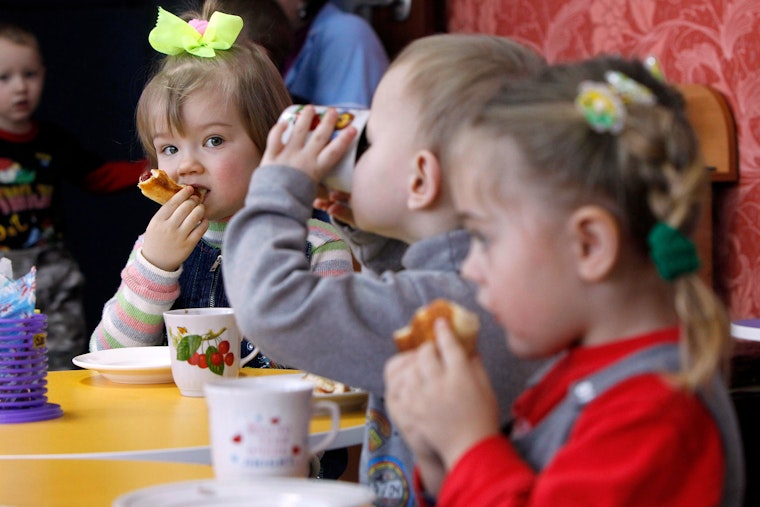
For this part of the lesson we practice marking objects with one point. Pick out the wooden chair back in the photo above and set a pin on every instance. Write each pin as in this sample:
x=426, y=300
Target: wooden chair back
x=710, y=115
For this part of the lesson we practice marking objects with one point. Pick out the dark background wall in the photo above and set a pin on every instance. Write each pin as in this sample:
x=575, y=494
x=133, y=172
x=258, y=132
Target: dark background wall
x=97, y=58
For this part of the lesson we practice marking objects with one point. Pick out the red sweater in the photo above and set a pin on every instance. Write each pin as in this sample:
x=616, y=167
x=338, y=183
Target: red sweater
x=642, y=443
x=33, y=167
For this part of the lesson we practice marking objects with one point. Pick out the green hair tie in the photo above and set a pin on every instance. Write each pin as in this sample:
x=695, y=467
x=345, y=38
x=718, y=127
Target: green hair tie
x=673, y=253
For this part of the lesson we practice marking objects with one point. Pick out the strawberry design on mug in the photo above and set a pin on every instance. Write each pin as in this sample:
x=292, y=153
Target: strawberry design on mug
x=204, y=344
x=204, y=351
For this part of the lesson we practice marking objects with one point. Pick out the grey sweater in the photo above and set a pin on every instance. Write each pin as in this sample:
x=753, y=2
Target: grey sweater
x=341, y=327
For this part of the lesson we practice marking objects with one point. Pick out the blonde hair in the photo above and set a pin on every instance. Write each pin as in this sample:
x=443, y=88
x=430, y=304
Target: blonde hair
x=651, y=172
x=451, y=75
x=244, y=74
x=19, y=35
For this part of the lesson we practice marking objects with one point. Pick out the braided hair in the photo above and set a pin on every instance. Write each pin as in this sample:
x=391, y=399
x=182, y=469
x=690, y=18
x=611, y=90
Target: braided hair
x=647, y=172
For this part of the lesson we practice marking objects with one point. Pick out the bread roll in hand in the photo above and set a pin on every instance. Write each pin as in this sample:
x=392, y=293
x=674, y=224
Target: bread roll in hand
x=464, y=323
x=158, y=186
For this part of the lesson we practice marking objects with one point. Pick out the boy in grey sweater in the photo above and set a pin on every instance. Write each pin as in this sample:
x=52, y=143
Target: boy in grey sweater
x=341, y=327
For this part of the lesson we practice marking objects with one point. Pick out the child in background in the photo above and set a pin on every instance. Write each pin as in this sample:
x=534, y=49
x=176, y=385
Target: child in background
x=581, y=191
x=265, y=23
x=203, y=118
x=35, y=159
x=336, y=57
x=341, y=327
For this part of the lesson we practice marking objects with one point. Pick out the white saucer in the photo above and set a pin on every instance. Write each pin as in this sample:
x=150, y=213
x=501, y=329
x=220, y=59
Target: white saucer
x=262, y=492
x=354, y=399
x=131, y=365
x=746, y=329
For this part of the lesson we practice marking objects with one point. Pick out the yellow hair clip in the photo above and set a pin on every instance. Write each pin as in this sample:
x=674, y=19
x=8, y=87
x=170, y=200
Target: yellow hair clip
x=654, y=68
x=173, y=35
x=632, y=92
x=601, y=106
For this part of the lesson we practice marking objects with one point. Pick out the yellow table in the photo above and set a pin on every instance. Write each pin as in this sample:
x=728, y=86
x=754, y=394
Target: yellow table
x=105, y=420
x=85, y=482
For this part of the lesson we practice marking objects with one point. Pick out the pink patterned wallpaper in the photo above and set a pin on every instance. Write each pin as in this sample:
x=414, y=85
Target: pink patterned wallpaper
x=715, y=42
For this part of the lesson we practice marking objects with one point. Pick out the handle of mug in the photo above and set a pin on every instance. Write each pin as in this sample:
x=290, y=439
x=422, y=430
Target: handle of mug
x=247, y=359
x=334, y=410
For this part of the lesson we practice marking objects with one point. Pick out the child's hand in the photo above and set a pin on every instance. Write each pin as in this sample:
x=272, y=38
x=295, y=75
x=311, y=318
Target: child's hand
x=335, y=203
x=441, y=397
x=174, y=231
x=312, y=153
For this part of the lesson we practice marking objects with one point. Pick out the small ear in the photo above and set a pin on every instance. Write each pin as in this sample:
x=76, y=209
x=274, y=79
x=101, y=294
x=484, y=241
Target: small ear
x=424, y=180
x=596, y=242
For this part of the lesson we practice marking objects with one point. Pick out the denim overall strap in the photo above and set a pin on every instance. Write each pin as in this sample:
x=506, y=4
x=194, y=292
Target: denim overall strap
x=201, y=283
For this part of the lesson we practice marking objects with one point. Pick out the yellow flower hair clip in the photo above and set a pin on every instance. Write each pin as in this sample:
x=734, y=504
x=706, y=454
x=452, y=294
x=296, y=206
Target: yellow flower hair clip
x=602, y=108
x=603, y=104
x=173, y=35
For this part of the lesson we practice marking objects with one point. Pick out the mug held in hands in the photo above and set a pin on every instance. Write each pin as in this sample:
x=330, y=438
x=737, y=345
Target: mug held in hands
x=341, y=176
x=204, y=344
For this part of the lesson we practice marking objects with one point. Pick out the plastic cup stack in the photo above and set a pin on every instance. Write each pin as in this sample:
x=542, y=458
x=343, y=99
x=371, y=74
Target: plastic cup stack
x=23, y=371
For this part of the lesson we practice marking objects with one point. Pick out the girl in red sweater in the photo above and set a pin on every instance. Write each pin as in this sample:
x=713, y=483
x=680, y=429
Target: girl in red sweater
x=581, y=190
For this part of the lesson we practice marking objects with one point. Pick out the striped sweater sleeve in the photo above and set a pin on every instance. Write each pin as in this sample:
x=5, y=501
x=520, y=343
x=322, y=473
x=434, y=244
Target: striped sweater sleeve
x=133, y=317
x=330, y=255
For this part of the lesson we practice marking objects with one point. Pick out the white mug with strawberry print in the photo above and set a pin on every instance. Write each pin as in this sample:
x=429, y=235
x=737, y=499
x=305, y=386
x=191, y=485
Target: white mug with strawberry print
x=259, y=426
x=204, y=344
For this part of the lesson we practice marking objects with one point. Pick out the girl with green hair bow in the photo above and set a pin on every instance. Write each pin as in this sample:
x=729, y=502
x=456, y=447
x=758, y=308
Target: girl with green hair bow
x=203, y=118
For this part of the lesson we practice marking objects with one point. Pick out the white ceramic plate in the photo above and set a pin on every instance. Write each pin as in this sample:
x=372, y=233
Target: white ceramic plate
x=130, y=365
x=264, y=492
x=747, y=329
x=354, y=399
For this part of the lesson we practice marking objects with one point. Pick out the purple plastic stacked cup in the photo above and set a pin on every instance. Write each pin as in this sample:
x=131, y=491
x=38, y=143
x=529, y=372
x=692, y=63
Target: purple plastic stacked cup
x=23, y=371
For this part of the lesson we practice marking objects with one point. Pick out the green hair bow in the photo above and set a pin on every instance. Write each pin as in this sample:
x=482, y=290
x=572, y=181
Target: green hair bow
x=173, y=35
